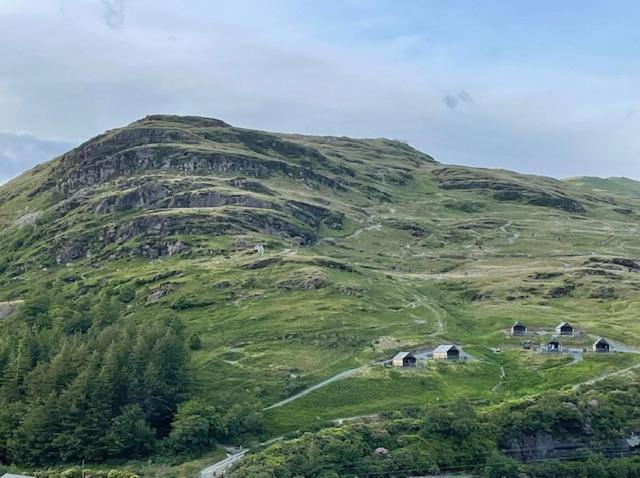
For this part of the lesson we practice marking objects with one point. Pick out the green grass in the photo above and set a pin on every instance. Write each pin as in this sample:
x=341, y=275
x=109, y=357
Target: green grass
x=385, y=390
x=429, y=265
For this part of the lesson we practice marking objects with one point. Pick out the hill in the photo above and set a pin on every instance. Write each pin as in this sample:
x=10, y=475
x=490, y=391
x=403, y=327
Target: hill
x=622, y=186
x=135, y=257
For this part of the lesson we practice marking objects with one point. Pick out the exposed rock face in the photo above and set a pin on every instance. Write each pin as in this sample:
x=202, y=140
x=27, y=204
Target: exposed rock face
x=143, y=189
x=542, y=445
x=147, y=194
x=204, y=199
x=621, y=262
x=503, y=190
x=154, y=148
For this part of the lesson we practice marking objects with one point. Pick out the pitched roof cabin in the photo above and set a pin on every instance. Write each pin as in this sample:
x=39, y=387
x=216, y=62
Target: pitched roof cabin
x=554, y=346
x=601, y=346
x=446, y=352
x=564, y=329
x=518, y=329
x=404, y=359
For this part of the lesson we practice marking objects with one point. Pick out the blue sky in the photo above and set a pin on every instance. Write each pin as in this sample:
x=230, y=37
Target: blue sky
x=535, y=86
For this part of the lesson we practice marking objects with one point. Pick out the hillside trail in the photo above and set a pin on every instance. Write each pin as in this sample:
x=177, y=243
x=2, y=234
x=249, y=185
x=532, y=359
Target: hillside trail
x=440, y=326
x=324, y=383
x=605, y=376
x=503, y=377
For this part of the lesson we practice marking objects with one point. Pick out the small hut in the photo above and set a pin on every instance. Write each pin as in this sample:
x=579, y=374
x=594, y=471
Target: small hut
x=404, y=359
x=601, y=346
x=518, y=329
x=446, y=352
x=554, y=346
x=564, y=329
x=9, y=475
x=381, y=451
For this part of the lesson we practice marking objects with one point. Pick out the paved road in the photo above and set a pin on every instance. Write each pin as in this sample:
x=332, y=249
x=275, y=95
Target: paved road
x=222, y=466
x=225, y=465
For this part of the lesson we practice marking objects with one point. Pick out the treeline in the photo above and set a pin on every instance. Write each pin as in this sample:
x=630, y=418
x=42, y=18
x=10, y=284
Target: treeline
x=83, y=380
x=462, y=437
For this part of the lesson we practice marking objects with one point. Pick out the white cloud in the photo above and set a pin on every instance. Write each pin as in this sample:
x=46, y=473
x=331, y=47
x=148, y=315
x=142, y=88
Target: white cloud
x=74, y=68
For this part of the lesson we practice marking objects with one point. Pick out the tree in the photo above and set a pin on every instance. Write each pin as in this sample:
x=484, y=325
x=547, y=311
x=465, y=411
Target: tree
x=195, y=342
x=195, y=428
x=129, y=435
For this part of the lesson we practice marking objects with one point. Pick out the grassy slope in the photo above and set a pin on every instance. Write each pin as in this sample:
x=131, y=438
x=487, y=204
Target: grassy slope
x=418, y=261
x=622, y=186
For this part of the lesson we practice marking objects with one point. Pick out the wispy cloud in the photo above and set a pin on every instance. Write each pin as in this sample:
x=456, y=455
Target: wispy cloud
x=113, y=13
x=452, y=101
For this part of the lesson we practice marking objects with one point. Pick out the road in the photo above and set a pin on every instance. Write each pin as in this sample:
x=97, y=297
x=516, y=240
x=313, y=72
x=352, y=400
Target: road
x=222, y=466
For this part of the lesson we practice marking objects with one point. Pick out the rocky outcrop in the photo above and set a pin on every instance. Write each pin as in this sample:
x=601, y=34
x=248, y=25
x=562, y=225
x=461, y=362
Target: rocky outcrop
x=86, y=168
x=205, y=199
x=506, y=190
x=151, y=235
x=615, y=263
x=145, y=195
x=315, y=215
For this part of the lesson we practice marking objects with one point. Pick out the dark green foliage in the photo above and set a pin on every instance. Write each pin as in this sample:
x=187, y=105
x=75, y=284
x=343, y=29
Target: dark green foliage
x=502, y=443
x=195, y=429
x=195, y=342
x=85, y=383
x=129, y=434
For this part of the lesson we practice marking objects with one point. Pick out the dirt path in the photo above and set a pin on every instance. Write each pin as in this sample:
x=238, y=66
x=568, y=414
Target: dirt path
x=324, y=383
x=606, y=376
x=503, y=376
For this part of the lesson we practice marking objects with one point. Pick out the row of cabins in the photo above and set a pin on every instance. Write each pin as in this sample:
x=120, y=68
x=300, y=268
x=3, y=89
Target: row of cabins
x=442, y=352
x=599, y=346
x=565, y=328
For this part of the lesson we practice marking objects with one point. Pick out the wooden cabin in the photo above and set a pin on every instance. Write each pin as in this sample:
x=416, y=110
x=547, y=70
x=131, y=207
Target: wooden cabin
x=601, y=346
x=554, y=346
x=518, y=329
x=564, y=329
x=446, y=352
x=404, y=359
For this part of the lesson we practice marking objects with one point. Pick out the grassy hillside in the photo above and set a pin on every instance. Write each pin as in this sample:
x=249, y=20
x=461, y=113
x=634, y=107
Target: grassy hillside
x=371, y=247
x=622, y=186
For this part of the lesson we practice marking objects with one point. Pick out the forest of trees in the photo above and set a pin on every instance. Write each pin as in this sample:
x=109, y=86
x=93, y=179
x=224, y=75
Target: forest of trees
x=81, y=379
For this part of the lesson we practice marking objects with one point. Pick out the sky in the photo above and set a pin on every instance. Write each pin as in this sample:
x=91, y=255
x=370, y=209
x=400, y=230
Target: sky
x=542, y=86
